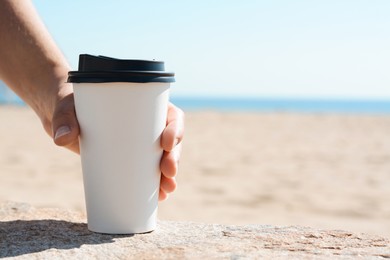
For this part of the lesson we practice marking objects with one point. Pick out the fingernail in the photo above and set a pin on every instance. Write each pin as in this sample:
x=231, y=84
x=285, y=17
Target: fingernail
x=61, y=131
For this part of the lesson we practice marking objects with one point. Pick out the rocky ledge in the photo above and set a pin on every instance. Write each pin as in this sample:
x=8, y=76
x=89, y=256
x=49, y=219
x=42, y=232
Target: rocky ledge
x=30, y=233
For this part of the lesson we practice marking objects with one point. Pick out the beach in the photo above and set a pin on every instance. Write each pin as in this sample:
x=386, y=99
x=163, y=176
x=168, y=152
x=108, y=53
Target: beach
x=323, y=170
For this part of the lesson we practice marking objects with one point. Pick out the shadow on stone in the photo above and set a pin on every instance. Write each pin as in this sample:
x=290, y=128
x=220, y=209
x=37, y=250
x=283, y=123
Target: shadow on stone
x=21, y=237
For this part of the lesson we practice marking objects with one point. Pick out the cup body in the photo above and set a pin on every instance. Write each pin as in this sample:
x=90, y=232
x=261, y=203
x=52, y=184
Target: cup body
x=120, y=129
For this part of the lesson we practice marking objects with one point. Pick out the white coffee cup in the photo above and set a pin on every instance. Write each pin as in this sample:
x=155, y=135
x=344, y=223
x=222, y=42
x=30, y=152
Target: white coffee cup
x=122, y=114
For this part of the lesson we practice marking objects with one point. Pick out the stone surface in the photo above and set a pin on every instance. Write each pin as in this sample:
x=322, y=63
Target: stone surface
x=29, y=233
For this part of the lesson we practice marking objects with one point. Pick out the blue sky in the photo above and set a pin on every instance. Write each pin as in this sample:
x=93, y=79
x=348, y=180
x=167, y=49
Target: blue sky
x=278, y=48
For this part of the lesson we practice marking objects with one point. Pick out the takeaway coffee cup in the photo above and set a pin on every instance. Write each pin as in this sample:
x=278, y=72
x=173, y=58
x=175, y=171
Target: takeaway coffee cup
x=121, y=106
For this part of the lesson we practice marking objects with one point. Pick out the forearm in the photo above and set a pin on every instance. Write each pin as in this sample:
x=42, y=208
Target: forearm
x=30, y=62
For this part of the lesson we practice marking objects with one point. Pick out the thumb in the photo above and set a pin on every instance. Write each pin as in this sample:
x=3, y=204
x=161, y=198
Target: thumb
x=65, y=125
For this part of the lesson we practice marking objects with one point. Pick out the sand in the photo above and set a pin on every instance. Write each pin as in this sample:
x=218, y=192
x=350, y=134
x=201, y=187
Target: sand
x=320, y=170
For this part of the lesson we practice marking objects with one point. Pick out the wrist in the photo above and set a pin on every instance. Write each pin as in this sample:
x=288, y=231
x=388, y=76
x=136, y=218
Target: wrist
x=49, y=90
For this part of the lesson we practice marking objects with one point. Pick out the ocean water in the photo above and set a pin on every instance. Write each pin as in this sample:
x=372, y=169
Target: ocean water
x=285, y=105
x=257, y=104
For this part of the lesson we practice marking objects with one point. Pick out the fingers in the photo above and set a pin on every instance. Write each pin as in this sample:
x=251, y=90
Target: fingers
x=169, y=167
x=162, y=195
x=173, y=133
x=171, y=143
x=167, y=185
x=65, y=125
x=170, y=162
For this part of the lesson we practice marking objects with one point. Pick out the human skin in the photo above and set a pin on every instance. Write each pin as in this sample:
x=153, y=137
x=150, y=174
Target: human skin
x=33, y=66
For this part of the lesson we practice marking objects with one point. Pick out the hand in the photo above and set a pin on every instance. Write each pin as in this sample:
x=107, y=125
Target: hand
x=34, y=67
x=65, y=132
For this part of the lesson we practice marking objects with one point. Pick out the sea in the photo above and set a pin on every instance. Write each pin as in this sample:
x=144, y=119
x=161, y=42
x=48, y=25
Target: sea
x=270, y=104
x=260, y=104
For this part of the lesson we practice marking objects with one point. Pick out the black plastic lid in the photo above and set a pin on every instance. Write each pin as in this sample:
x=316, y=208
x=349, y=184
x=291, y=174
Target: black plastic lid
x=99, y=69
